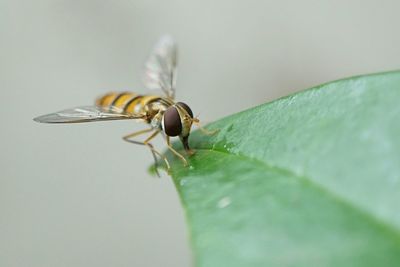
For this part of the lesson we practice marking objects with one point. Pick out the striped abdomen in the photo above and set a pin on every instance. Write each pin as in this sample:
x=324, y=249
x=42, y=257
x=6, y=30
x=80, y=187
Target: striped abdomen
x=126, y=102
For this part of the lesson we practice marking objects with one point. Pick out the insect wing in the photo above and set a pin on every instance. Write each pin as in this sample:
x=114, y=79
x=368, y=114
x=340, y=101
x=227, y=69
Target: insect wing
x=85, y=114
x=160, y=68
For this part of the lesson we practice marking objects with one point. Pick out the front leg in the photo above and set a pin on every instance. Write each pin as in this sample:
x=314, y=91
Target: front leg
x=176, y=152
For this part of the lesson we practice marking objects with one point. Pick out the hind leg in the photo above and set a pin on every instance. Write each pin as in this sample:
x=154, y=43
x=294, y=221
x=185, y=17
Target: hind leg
x=146, y=143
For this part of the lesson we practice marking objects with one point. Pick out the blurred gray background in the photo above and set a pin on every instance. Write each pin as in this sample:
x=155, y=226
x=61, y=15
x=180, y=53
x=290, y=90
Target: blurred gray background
x=77, y=195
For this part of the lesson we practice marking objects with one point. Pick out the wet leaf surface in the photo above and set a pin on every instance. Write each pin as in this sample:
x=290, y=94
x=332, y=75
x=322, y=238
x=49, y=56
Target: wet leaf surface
x=312, y=179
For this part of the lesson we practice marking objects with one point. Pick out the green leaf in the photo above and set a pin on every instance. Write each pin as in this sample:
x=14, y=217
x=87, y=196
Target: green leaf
x=312, y=179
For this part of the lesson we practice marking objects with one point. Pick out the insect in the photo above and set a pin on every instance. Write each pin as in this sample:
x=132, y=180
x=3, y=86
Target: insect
x=162, y=113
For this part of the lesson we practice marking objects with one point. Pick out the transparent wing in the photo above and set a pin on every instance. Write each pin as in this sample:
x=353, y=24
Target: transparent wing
x=86, y=114
x=160, y=68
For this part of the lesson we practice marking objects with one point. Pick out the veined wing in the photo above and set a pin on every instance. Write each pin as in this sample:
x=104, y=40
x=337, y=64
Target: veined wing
x=86, y=114
x=160, y=68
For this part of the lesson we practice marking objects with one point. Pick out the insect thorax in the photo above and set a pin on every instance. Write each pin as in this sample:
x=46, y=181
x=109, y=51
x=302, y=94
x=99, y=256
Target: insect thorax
x=155, y=112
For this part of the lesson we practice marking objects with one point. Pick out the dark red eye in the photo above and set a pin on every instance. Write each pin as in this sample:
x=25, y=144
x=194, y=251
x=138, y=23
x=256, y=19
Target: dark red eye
x=186, y=107
x=172, y=122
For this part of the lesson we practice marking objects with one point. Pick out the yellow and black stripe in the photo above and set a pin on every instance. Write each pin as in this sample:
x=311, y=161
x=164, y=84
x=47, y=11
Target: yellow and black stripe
x=128, y=102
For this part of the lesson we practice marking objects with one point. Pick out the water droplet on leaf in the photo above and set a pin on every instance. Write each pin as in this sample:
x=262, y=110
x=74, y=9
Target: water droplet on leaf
x=224, y=202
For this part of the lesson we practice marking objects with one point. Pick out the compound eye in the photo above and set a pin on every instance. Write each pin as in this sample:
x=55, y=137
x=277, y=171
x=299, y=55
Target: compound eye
x=172, y=122
x=186, y=107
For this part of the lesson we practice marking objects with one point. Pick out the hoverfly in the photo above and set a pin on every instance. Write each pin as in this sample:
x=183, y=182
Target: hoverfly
x=162, y=113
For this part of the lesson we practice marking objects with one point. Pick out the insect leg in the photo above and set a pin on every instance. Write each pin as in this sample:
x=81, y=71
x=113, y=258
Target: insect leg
x=176, y=152
x=128, y=139
x=146, y=143
x=203, y=130
x=129, y=136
